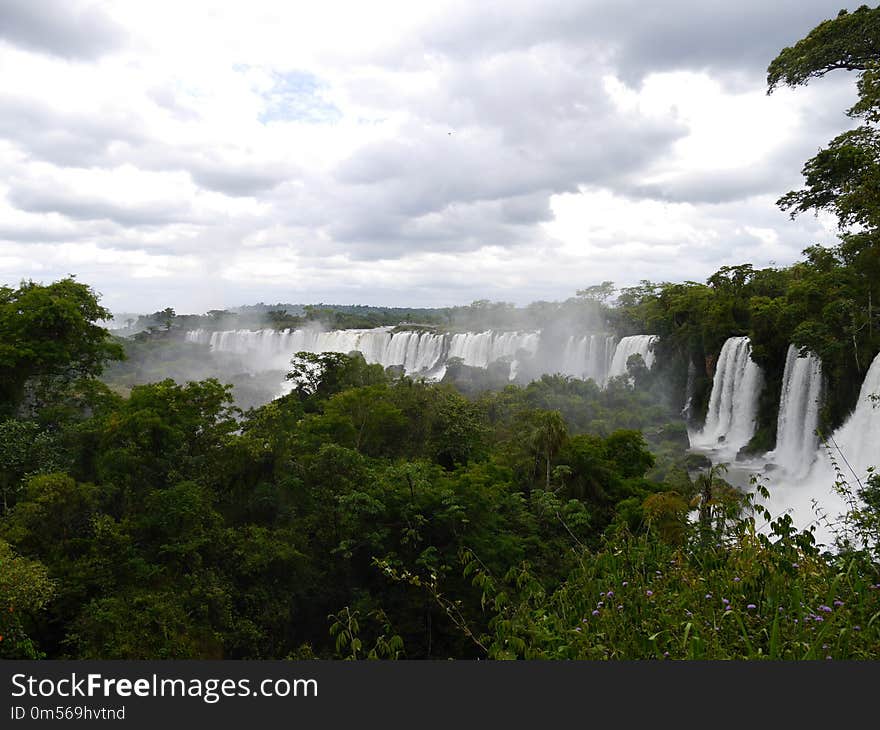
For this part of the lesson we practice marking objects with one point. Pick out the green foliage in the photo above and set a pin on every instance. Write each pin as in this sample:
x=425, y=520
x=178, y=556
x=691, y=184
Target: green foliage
x=49, y=335
x=851, y=41
x=25, y=589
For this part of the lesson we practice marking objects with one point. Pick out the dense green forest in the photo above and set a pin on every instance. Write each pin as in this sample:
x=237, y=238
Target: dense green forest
x=370, y=515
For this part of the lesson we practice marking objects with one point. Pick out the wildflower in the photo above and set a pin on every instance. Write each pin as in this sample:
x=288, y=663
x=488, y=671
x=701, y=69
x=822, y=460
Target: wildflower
x=666, y=653
x=781, y=609
x=577, y=628
x=857, y=628
x=826, y=609
x=596, y=613
x=659, y=573
x=795, y=566
x=727, y=608
x=828, y=657
x=736, y=579
x=838, y=603
x=724, y=601
x=610, y=594
x=625, y=583
x=708, y=596
x=688, y=613
x=819, y=619
x=600, y=604
x=620, y=607
x=601, y=595
x=649, y=593
x=751, y=607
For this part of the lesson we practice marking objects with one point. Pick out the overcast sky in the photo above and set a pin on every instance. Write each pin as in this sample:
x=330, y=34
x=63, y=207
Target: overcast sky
x=209, y=154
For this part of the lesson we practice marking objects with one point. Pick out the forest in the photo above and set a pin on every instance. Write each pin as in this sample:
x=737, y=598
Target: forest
x=368, y=514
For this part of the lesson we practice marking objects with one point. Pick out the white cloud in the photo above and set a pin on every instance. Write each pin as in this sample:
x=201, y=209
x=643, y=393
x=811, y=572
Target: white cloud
x=207, y=154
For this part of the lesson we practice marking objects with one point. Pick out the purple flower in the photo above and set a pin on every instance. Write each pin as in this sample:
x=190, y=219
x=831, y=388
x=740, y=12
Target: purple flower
x=610, y=594
x=620, y=607
x=819, y=619
x=708, y=596
x=688, y=613
x=751, y=607
x=736, y=580
x=826, y=609
x=659, y=573
x=727, y=608
x=724, y=601
x=600, y=604
x=838, y=603
x=781, y=609
x=857, y=628
x=649, y=593
x=601, y=595
x=595, y=613
x=625, y=583
x=577, y=628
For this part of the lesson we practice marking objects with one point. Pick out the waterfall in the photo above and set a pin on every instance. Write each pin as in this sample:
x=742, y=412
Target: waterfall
x=478, y=349
x=426, y=354
x=796, y=438
x=687, y=408
x=855, y=447
x=418, y=353
x=733, y=404
x=628, y=346
x=856, y=443
x=587, y=356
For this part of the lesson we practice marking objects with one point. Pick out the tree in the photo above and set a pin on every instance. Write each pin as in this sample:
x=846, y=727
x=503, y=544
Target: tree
x=850, y=42
x=598, y=292
x=25, y=588
x=845, y=177
x=49, y=336
x=319, y=376
x=548, y=432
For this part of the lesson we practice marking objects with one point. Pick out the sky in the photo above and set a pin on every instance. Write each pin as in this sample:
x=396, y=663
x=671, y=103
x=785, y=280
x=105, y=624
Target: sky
x=203, y=155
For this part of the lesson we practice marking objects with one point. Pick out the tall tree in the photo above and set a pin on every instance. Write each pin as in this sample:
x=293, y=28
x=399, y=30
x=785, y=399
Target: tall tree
x=49, y=334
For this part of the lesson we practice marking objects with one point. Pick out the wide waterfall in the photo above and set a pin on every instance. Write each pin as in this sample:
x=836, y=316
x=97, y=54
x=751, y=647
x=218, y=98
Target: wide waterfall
x=588, y=356
x=628, y=346
x=733, y=404
x=427, y=353
x=418, y=353
x=800, y=399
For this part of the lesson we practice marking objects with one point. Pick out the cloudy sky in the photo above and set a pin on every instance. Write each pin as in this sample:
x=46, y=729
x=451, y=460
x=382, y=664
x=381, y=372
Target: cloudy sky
x=208, y=154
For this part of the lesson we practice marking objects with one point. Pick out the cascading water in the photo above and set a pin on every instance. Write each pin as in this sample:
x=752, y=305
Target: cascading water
x=427, y=353
x=628, y=346
x=733, y=404
x=479, y=349
x=855, y=447
x=423, y=353
x=687, y=408
x=800, y=399
x=857, y=442
x=588, y=356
